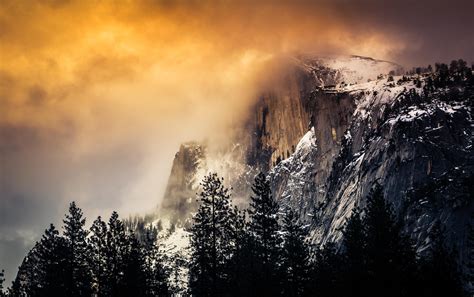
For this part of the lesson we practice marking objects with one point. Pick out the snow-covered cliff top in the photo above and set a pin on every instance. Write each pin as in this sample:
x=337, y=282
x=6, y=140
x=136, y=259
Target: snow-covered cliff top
x=334, y=70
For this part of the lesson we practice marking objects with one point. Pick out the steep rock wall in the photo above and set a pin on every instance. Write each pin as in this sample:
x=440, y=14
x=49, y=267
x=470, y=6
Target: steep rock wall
x=303, y=176
x=326, y=136
x=305, y=96
x=179, y=199
x=277, y=121
x=418, y=147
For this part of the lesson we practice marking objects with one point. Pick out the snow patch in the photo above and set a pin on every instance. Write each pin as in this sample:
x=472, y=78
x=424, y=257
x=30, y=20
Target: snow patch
x=308, y=141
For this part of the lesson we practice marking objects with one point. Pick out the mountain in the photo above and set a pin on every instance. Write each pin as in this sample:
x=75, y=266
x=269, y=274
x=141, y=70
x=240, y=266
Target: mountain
x=283, y=113
x=419, y=147
x=183, y=181
x=190, y=164
x=334, y=126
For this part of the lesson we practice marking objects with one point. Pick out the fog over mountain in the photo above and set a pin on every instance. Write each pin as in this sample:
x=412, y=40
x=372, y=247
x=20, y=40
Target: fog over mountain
x=96, y=98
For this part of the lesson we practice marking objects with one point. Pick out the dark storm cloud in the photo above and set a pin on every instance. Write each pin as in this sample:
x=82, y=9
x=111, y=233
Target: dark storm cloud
x=432, y=30
x=427, y=30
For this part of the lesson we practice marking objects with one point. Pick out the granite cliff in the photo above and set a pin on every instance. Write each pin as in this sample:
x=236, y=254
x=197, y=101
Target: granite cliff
x=333, y=128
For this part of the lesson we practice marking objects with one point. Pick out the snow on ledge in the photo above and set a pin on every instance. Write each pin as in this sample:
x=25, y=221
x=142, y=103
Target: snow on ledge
x=307, y=142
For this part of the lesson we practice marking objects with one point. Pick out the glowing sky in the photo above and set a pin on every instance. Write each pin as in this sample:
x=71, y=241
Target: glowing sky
x=96, y=96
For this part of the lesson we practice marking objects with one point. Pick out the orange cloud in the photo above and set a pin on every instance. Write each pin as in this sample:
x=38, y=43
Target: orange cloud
x=91, y=77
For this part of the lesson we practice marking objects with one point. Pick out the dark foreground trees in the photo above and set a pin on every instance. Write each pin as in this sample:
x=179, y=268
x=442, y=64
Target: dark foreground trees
x=2, y=280
x=77, y=253
x=270, y=256
x=295, y=257
x=390, y=256
x=109, y=262
x=262, y=251
x=211, y=240
x=378, y=258
x=470, y=258
x=265, y=237
x=439, y=274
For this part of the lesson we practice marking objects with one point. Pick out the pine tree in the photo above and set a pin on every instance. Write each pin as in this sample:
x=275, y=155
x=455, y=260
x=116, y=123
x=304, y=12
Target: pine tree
x=326, y=272
x=354, y=255
x=295, y=257
x=45, y=270
x=77, y=252
x=117, y=250
x=2, y=280
x=50, y=266
x=264, y=228
x=439, y=273
x=211, y=235
x=61, y=265
x=470, y=256
x=240, y=264
x=27, y=279
x=390, y=256
x=134, y=276
x=177, y=266
x=155, y=271
x=98, y=259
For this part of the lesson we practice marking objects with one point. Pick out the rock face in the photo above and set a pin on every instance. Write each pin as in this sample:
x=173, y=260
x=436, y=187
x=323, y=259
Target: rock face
x=326, y=135
x=278, y=120
x=180, y=194
x=418, y=147
x=193, y=161
x=305, y=97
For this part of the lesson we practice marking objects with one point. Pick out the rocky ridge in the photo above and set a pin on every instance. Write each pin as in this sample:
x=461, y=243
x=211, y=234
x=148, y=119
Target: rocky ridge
x=337, y=126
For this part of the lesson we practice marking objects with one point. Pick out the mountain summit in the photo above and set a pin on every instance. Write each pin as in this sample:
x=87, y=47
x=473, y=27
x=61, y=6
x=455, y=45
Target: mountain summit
x=337, y=126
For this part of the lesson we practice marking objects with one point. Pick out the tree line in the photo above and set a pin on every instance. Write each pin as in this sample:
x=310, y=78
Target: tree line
x=103, y=261
x=261, y=251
